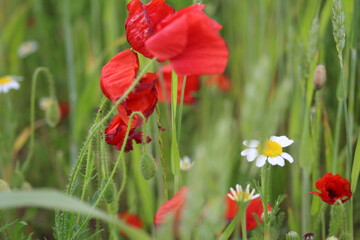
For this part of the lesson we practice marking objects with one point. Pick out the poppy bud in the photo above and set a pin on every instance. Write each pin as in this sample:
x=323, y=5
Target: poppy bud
x=319, y=77
x=109, y=191
x=53, y=113
x=147, y=167
x=4, y=186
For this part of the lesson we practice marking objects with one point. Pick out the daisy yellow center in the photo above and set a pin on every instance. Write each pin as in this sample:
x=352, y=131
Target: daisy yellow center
x=5, y=80
x=272, y=149
x=243, y=196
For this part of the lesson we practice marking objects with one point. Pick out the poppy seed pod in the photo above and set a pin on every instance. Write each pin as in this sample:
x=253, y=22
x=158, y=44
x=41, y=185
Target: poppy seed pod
x=147, y=167
x=319, y=77
x=52, y=114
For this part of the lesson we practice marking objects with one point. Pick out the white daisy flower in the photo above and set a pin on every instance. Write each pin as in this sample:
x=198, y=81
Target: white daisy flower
x=271, y=152
x=9, y=82
x=186, y=164
x=27, y=48
x=45, y=103
x=240, y=196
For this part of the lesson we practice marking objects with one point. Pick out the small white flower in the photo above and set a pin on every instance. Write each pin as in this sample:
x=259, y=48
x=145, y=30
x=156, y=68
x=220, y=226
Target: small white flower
x=240, y=196
x=271, y=152
x=45, y=103
x=9, y=82
x=27, y=48
x=185, y=163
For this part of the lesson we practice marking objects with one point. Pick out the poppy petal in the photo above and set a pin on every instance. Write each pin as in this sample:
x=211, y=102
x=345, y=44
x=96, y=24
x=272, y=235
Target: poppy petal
x=118, y=74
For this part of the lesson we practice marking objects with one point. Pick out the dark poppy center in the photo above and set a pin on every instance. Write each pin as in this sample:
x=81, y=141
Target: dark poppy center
x=331, y=193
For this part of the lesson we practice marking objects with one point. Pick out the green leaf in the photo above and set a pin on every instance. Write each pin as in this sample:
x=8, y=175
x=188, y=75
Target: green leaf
x=52, y=199
x=356, y=167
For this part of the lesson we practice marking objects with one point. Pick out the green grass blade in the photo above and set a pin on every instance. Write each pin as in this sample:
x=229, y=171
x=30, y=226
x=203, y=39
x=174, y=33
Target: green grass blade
x=356, y=167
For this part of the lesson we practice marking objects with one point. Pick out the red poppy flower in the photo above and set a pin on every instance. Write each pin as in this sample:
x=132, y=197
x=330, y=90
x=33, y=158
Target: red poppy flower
x=142, y=21
x=164, y=88
x=118, y=74
x=173, y=206
x=333, y=188
x=115, y=134
x=190, y=40
x=142, y=99
x=255, y=207
x=131, y=219
x=221, y=81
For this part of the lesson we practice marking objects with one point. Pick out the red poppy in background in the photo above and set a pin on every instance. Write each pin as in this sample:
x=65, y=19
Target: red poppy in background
x=220, y=81
x=142, y=21
x=174, y=206
x=115, y=134
x=131, y=219
x=164, y=88
x=333, y=188
x=190, y=40
x=255, y=207
x=118, y=74
x=64, y=108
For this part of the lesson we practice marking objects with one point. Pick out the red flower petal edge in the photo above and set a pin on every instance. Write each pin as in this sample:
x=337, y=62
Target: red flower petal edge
x=163, y=86
x=190, y=40
x=173, y=206
x=118, y=74
x=333, y=188
x=142, y=21
x=255, y=207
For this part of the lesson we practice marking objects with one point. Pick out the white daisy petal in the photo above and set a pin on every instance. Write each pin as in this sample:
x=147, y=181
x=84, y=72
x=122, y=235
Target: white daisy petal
x=282, y=140
x=260, y=161
x=256, y=196
x=251, y=143
x=250, y=154
x=276, y=161
x=287, y=157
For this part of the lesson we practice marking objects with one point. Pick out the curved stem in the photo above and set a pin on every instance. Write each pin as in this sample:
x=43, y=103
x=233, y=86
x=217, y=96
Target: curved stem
x=50, y=81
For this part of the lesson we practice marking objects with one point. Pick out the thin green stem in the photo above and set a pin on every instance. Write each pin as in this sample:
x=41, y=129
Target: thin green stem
x=51, y=85
x=265, y=199
x=181, y=108
x=70, y=76
x=242, y=212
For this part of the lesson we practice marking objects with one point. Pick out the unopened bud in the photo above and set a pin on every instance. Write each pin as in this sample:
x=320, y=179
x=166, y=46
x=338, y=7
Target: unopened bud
x=4, y=186
x=147, y=167
x=292, y=235
x=53, y=113
x=319, y=77
x=109, y=191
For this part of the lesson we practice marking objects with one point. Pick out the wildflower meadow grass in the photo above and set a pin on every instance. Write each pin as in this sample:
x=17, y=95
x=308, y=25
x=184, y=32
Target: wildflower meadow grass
x=154, y=119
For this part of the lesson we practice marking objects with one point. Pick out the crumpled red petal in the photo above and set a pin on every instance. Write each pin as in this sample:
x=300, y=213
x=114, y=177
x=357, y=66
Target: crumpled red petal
x=163, y=86
x=142, y=21
x=116, y=131
x=143, y=99
x=118, y=74
x=190, y=40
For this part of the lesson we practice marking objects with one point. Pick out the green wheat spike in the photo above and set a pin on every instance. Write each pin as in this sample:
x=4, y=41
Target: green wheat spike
x=338, y=21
